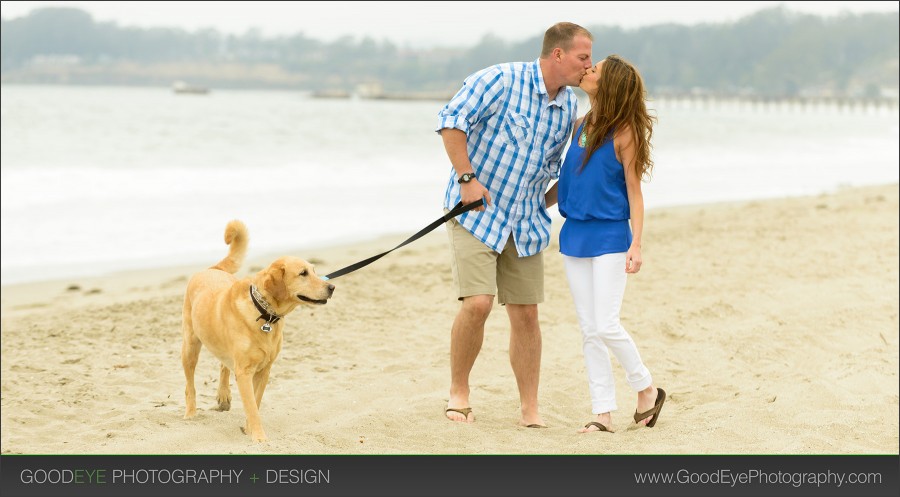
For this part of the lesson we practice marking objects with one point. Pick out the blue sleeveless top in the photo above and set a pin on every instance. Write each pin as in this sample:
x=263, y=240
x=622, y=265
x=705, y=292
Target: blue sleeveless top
x=594, y=202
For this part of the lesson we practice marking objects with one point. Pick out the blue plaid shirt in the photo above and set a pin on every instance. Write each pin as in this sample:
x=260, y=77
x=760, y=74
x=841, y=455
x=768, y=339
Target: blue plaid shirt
x=516, y=137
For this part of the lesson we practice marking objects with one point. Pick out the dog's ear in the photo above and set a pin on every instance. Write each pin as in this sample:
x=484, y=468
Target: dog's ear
x=274, y=284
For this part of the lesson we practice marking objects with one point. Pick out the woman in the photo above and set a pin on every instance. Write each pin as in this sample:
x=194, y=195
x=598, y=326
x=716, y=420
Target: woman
x=599, y=190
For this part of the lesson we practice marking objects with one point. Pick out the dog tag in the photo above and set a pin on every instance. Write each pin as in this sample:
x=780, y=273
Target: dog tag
x=266, y=327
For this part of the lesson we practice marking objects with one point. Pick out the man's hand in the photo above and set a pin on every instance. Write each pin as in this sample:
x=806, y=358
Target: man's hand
x=473, y=191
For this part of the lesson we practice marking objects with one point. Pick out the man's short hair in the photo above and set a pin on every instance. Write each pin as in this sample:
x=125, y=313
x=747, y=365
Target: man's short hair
x=562, y=35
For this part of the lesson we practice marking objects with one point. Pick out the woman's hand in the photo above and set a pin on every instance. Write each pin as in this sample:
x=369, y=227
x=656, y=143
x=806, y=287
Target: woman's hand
x=633, y=260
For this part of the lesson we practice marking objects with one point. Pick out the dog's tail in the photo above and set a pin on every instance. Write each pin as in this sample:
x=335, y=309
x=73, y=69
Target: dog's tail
x=236, y=238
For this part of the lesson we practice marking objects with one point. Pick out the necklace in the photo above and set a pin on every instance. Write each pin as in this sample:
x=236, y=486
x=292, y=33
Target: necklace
x=582, y=140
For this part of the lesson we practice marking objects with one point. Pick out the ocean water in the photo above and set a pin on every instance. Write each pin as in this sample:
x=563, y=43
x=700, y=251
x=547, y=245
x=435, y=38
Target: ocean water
x=101, y=179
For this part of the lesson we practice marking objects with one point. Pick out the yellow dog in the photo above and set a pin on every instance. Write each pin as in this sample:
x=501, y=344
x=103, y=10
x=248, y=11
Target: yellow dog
x=241, y=322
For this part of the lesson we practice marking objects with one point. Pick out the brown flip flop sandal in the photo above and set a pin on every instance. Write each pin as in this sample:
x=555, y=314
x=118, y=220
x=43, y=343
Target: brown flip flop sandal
x=600, y=427
x=653, y=411
x=465, y=411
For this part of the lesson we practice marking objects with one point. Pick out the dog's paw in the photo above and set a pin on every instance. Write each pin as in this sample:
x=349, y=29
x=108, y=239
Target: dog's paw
x=256, y=437
x=224, y=404
x=190, y=414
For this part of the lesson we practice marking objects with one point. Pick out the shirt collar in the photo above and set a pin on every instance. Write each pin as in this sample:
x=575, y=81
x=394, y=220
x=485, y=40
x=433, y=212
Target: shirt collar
x=538, y=80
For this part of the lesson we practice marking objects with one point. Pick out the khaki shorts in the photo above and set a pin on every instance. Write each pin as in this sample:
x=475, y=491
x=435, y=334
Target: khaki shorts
x=478, y=270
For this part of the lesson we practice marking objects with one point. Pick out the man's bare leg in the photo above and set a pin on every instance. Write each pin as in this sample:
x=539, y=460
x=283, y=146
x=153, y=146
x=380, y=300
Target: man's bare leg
x=466, y=338
x=525, y=357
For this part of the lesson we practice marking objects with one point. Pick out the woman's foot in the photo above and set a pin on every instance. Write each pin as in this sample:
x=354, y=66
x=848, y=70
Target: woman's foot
x=649, y=403
x=604, y=420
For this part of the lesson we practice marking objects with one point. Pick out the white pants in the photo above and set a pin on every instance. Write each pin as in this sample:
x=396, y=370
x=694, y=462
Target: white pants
x=598, y=285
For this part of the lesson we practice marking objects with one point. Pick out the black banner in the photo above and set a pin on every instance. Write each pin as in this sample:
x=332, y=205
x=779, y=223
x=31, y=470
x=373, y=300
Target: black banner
x=447, y=475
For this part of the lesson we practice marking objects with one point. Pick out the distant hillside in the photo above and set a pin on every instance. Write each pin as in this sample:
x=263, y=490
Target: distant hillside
x=772, y=53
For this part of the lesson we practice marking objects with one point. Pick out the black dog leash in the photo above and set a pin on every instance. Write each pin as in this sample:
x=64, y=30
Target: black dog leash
x=459, y=209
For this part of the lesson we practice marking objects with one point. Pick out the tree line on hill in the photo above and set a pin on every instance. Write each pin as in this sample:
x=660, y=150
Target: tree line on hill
x=774, y=52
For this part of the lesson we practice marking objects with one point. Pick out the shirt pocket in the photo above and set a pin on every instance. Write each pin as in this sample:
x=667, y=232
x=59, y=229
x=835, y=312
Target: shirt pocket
x=516, y=129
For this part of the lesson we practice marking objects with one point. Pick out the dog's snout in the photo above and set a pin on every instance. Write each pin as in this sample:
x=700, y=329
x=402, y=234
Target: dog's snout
x=330, y=289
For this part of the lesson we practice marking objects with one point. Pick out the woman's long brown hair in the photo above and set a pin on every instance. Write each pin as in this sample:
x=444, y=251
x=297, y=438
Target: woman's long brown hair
x=620, y=102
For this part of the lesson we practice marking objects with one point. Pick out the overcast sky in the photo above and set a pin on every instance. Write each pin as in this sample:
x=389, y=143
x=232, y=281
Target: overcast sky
x=423, y=23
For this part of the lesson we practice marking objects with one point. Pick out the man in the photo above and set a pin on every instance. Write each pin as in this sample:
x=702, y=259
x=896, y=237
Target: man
x=504, y=133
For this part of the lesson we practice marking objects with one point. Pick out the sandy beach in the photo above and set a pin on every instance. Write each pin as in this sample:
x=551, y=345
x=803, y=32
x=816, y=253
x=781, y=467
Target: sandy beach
x=772, y=324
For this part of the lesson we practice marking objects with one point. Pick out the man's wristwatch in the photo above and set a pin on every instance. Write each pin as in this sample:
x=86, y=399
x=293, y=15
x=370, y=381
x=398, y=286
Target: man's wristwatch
x=465, y=178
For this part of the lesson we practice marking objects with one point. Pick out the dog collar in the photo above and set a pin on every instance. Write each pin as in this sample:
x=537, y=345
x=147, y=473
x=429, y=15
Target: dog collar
x=264, y=309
